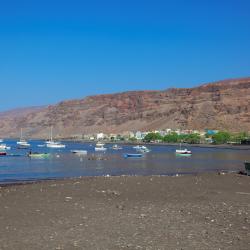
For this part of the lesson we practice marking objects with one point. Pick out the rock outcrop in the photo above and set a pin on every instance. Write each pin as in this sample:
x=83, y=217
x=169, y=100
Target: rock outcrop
x=220, y=105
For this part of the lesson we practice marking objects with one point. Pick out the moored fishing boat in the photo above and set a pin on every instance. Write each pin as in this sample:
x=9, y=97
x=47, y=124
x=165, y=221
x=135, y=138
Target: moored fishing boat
x=53, y=144
x=128, y=155
x=141, y=149
x=3, y=146
x=183, y=152
x=116, y=147
x=39, y=155
x=100, y=147
x=79, y=152
x=22, y=143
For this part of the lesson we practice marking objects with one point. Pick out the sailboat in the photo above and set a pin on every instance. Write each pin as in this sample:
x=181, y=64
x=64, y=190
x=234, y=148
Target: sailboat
x=22, y=143
x=53, y=144
x=100, y=147
x=183, y=152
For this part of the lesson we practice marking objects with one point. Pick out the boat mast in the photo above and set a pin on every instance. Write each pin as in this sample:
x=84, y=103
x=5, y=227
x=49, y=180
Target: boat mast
x=51, y=133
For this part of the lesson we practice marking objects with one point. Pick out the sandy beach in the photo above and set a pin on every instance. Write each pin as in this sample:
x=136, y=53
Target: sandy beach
x=208, y=211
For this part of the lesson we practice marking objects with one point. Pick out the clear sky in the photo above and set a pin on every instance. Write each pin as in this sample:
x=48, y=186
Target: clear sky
x=56, y=50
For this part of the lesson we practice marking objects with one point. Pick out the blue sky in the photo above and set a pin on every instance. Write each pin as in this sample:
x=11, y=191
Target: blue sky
x=56, y=50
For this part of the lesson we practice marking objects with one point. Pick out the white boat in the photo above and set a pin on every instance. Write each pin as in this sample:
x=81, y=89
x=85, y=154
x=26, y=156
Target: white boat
x=184, y=152
x=141, y=148
x=116, y=147
x=79, y=152
x=100, y=147
x=3, y=146
x=22, y=143
x=53, y=144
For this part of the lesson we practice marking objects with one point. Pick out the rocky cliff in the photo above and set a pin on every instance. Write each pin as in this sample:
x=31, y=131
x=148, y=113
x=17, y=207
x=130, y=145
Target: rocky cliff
x=219, y=105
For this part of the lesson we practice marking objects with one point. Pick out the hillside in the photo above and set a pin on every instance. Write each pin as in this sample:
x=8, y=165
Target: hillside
x=220, y=105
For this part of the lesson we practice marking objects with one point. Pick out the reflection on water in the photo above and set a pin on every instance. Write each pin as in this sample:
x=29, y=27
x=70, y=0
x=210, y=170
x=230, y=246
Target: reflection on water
x=160, y=161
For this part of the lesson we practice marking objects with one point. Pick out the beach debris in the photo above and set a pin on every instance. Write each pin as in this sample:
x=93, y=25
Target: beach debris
x=109, y=192
x=242, y=193
x=68, y=198
x=142, y=216
x=221, y=173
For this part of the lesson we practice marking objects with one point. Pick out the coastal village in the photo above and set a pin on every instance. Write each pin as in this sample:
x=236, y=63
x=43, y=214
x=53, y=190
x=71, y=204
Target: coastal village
x=206, y=136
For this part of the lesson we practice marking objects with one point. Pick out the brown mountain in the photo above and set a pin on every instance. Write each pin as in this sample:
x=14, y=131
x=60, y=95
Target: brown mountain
x=220, y=105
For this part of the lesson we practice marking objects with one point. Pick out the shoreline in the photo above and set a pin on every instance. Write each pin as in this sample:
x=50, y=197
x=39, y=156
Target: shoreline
x=204, y=211
x=201, y=145
x=17, y=182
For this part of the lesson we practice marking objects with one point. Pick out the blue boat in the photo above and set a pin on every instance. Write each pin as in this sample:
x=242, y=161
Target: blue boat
x=132, y=155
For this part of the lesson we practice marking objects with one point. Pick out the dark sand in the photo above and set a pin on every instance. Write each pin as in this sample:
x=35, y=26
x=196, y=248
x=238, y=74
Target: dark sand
x=208, y=211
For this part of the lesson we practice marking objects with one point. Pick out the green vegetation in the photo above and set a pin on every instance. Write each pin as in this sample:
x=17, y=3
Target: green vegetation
x=152, y=137
x=190, y=138
x=132, y=139
x=221, y=137
x=173, y=138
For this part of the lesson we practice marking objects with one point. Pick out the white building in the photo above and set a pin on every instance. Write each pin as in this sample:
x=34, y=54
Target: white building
x=100, y=136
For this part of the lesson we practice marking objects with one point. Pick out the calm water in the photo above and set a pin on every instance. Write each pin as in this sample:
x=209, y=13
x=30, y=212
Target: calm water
x=160, y=161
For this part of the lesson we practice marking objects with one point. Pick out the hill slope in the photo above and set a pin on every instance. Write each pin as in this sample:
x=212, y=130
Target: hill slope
x=220, y=105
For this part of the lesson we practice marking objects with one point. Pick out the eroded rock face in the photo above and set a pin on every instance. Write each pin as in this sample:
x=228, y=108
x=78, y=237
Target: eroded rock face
x=220, y=105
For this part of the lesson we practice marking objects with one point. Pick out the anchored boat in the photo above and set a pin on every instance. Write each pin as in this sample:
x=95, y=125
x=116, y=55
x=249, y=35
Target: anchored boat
x=53, y=144
x=22, y=143
x=116, y=147
x=3, y=146
x=100, y=147
x=79, y=152
x=128, y=155
x=183, y=152
x=2, y=153
x=39, y=155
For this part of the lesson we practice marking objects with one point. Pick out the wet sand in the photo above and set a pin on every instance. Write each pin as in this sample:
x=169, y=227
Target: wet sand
x=207, y=211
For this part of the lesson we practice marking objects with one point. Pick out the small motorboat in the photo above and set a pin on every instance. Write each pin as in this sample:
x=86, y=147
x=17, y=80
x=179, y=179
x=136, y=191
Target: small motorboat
x=128, y=155
x=79, y=152
x=116, y=147
x=23, y=146
x=247, y=167
x=2, y=153
x=53, y=144
x=183, y=152
x=100, y=147
x=141, y=149
x=3, y=146
x=39, y=155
